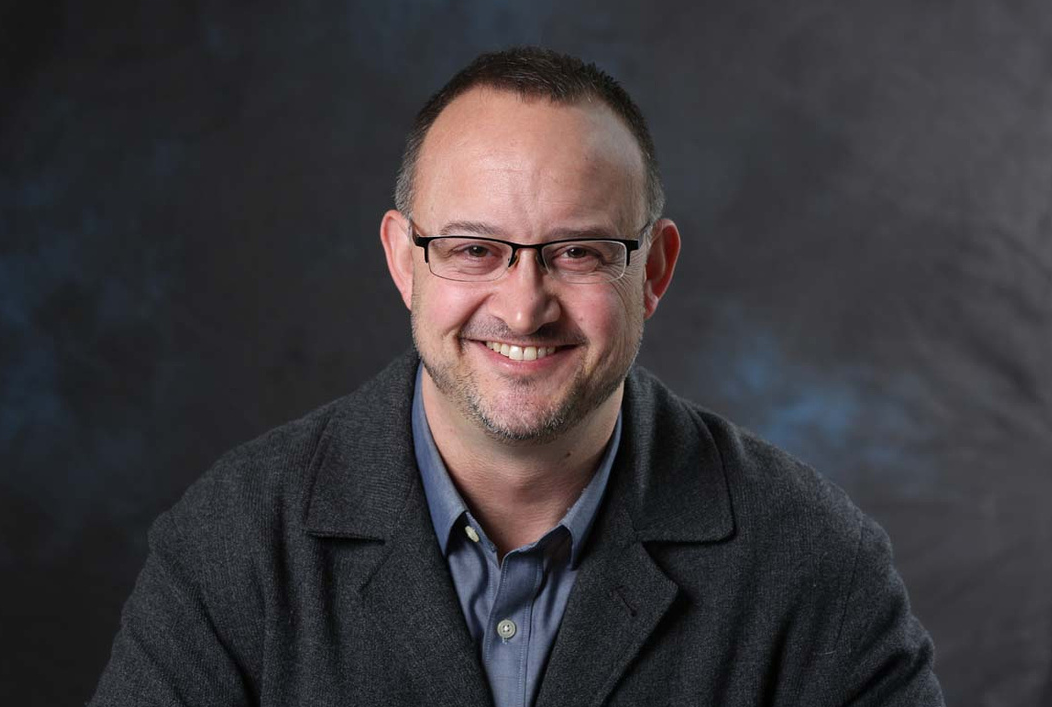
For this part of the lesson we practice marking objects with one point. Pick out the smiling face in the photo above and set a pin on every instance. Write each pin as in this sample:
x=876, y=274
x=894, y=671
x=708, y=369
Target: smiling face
x=525, y=357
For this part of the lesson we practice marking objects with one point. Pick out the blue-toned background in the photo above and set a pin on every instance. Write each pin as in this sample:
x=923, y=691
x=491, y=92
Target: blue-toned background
x=190, y=196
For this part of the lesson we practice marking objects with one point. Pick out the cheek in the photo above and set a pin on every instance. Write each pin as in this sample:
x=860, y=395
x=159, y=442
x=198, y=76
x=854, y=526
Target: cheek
x=443, y=305
x=605, y=316
x=629, y=294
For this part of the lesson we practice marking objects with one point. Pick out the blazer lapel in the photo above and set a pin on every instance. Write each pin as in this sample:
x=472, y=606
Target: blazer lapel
x=414, y=608
x=366, y=487
x=618, y=599
x=668, y=485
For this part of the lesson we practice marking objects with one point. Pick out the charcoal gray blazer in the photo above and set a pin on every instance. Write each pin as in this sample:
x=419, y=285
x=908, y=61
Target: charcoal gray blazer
x=303, y=569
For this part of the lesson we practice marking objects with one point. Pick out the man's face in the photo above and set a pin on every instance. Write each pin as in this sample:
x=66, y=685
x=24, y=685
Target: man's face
x=528, y=171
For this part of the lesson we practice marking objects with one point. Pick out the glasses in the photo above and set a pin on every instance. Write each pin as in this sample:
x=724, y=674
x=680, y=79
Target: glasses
x=581, y=261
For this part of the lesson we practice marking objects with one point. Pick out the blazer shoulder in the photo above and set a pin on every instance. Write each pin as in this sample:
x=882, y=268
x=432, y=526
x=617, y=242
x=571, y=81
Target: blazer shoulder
x=773, y=493
x=269, y=478
x=239, y=498
x=787, y=507
x=281, y=458
x=803, y=556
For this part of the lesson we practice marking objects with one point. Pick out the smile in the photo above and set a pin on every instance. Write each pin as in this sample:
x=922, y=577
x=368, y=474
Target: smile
x=520, y=353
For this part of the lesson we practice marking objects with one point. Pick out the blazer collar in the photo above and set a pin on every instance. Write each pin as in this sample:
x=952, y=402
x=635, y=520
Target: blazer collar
x=668, y=475
x=669, y=471
x=364, y=467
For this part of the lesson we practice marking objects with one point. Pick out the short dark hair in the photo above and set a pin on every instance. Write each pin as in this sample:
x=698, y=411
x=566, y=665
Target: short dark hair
x=541, y=73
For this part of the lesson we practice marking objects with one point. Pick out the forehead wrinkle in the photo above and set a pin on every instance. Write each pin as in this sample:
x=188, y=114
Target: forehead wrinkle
x=478, y=158
x=515, y=203
x=489, y=230
x=473, y=228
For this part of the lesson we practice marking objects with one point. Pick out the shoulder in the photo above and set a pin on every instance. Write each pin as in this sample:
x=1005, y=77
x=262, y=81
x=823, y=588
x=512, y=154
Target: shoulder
x=777, y=501
x=261, y=488
x=800, y=569
x=270, y=468
x=289, y=448
x=774, y=489
x=244, y=502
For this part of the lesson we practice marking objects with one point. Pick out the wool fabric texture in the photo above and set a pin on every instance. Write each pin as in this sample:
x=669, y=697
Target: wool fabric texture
x=303, y=569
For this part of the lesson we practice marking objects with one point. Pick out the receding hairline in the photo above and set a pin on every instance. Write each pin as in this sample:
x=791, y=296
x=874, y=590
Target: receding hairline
x=531, y=73
x=586, y=99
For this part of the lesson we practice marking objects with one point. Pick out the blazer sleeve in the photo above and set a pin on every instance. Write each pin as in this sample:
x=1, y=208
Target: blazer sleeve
x=884, y=656
x=186, y=630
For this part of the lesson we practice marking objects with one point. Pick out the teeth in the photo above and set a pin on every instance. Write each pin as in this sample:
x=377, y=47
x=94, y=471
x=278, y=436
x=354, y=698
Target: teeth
x=520, y=353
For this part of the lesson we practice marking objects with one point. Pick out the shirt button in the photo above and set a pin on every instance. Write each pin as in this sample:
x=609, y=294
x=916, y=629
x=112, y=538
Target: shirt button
x=471, y=533
x=506, y=629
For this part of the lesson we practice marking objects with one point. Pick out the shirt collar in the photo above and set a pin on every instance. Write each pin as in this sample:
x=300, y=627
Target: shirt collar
x=443, y=500
x=578, y=520
x=446, y=505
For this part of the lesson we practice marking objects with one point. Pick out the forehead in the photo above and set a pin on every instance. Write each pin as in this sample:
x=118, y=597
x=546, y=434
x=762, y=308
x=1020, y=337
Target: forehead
x=498, y=155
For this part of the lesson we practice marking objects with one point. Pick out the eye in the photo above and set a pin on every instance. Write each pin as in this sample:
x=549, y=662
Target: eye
x=465, y=249
x=475, y=250
x=470, y=257
x=467, y=258
x=576, y=256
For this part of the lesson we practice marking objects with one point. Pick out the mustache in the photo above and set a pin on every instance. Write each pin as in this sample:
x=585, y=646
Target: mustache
x=550, y=334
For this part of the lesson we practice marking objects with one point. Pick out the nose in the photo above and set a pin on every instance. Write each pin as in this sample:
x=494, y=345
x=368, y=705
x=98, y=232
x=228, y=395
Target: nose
x=523, y=299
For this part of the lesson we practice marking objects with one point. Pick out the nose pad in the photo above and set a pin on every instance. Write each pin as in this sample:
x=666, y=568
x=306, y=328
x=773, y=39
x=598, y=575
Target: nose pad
x=540, y=260
x=523, y=300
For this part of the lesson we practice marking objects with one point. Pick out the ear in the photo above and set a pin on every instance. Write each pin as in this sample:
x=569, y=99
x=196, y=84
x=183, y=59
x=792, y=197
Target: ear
x=394, y=233
x=661, y=262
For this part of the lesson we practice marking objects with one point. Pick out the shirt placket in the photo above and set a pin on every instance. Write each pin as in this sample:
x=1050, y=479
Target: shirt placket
x=508, y=629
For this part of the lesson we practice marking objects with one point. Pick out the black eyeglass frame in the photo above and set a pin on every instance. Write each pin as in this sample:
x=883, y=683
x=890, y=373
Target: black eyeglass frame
x=425, y=241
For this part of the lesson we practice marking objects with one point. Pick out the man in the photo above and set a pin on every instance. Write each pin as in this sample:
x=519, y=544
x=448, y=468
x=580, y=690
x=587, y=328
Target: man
x=518, y=517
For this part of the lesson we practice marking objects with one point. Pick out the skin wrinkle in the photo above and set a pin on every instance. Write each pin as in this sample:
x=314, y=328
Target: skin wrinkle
x=485, y=229
x=552, y=422
x=519, y=184
x=521, y=439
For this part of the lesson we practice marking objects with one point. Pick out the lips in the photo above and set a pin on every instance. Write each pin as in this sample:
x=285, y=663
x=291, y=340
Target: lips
x=520, y=353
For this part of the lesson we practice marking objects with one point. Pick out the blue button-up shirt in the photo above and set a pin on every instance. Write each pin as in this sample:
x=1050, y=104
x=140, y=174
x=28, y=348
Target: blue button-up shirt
x=512, y=608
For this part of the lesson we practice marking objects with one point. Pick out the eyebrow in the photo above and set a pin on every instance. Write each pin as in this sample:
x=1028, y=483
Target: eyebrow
x=474, y=228
x=483, y=229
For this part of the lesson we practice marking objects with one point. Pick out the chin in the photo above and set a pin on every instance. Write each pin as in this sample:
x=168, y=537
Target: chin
x=525, y=431
x=515, y=419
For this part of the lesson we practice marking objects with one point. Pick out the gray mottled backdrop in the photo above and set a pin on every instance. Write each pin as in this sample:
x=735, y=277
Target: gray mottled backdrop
x=189, y=202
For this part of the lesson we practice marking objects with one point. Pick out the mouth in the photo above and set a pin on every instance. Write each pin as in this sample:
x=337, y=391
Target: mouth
x=520, y=353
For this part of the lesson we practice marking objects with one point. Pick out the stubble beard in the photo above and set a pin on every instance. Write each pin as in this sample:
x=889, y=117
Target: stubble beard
x=459, y=387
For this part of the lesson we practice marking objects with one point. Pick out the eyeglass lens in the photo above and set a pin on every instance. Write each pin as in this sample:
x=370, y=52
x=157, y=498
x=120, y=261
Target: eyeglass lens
x=469, y=259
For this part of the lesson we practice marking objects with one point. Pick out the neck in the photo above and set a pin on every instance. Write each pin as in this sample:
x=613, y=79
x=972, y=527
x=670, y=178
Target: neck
x=518, y=490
